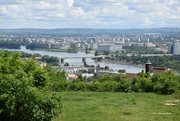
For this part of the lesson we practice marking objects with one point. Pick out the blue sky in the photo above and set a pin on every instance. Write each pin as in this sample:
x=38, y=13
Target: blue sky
x=110, y=14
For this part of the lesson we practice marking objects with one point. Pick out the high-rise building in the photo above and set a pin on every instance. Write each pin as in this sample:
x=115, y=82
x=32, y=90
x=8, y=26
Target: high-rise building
x=174, y=48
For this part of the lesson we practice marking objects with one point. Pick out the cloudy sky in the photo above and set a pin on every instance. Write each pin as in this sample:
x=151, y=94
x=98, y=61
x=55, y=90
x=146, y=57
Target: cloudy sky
x=115, y=14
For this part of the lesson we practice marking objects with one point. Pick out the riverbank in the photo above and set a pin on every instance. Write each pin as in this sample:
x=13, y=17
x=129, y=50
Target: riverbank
x=50, y=49
x=131, y=64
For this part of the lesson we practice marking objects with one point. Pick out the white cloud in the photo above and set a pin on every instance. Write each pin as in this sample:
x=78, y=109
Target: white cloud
x=90, y=13
x=70, y=3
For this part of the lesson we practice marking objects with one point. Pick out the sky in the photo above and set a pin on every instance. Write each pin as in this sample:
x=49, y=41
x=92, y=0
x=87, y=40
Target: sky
x=102, y=14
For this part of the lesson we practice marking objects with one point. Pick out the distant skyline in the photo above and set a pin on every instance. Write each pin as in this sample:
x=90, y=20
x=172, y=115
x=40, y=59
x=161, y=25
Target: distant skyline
x=100, y=14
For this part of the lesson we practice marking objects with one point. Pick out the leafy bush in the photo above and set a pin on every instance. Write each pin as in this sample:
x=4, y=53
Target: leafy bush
x=165, y=83
x=20, y=99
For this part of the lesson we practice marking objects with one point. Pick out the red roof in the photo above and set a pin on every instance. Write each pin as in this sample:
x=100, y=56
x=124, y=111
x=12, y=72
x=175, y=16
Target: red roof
x=130, y=76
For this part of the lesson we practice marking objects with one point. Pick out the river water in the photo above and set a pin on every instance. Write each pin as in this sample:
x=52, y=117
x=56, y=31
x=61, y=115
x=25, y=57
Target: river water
x=78, y=61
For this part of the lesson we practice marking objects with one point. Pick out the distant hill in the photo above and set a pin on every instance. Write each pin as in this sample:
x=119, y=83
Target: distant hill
x=86, y=31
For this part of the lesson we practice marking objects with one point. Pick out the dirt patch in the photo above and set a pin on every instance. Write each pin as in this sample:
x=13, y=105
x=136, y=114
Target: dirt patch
x=172, y=102
x=169, y=104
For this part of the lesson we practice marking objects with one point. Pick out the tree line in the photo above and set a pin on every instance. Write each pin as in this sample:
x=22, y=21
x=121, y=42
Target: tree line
x=51, y=60
x=165, y=61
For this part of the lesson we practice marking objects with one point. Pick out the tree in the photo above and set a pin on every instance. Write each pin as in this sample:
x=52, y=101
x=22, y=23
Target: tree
x=165, y=83
x=98, y=66
x=66, y=64
x=20, y=99
x=106, y=67
x=96, y=53
x=85, y=64
x=122, y=70
x=106, y=52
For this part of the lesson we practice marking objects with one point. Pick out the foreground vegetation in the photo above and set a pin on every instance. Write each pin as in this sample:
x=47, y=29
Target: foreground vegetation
x=30, y=92
x=165, y=83
x=22, y=93
x=109, y=106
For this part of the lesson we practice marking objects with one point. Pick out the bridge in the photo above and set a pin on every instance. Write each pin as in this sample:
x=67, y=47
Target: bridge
x=99, y=58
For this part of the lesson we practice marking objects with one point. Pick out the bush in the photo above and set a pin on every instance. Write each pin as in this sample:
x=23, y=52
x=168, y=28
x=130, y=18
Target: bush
x=165, y=83
x=20, y=99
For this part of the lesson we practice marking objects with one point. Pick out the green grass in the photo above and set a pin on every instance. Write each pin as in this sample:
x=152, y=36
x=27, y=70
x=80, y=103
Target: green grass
x=109, y=106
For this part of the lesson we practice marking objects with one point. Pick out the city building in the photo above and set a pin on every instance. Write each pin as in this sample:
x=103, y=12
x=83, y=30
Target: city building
x=109, y=48
x=174, y=48
x=71, y=77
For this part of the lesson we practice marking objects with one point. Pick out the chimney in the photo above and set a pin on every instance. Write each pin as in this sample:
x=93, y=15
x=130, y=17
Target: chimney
x=148, y=66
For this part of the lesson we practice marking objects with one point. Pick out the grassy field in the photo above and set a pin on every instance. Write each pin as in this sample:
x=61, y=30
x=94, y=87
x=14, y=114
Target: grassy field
x=109, y=106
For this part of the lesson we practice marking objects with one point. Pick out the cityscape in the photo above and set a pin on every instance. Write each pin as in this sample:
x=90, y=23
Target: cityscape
x=78, y=60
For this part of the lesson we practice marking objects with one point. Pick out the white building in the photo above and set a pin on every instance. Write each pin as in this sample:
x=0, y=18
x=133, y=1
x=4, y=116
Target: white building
x=109, y=48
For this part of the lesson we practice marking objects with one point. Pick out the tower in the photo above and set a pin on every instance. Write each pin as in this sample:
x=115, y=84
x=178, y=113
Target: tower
x=148, y=66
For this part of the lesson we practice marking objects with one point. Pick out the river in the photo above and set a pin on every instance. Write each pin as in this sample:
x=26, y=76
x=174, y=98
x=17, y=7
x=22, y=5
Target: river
x=78, y=61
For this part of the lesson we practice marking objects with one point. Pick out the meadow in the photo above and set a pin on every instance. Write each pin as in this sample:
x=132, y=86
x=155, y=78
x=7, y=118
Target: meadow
x=110, y=106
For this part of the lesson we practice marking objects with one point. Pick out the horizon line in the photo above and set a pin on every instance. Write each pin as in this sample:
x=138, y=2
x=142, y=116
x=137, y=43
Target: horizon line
x=91, y=28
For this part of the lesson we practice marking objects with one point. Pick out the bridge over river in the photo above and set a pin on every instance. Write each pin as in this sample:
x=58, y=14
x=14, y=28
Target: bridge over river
x=100, y=57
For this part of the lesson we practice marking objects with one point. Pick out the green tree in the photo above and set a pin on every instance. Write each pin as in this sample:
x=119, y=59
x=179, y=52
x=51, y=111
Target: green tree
x=122, y=70
x=96, y=53
x=20, y=99
x=106, y=67
x=98, y=66
x=165, y=83
x=66, y=64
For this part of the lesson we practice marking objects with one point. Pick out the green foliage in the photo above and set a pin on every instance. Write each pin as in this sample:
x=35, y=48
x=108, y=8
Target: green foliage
x=11, y=44
x=83, y=71
x=165, y=83
x=66, y=64
x=51, y=60
x=45, y=58
x=88, y=50
x=80, y=79
x=122, y=70
x=73, y=50
x=96, y=53
x=20, y=99
x=106, y=67
x=57, y=79
x=98, y=66
x=140, y=50
x=28, y=55
x=156, y=60
x=106, y=77
x=142, y=84
x=106, y=52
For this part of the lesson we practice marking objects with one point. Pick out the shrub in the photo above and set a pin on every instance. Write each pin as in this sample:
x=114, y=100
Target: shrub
x=165, y=83
x=19, y=101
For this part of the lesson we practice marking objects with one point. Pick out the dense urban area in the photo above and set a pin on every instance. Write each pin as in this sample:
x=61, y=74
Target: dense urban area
x=30, y=83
